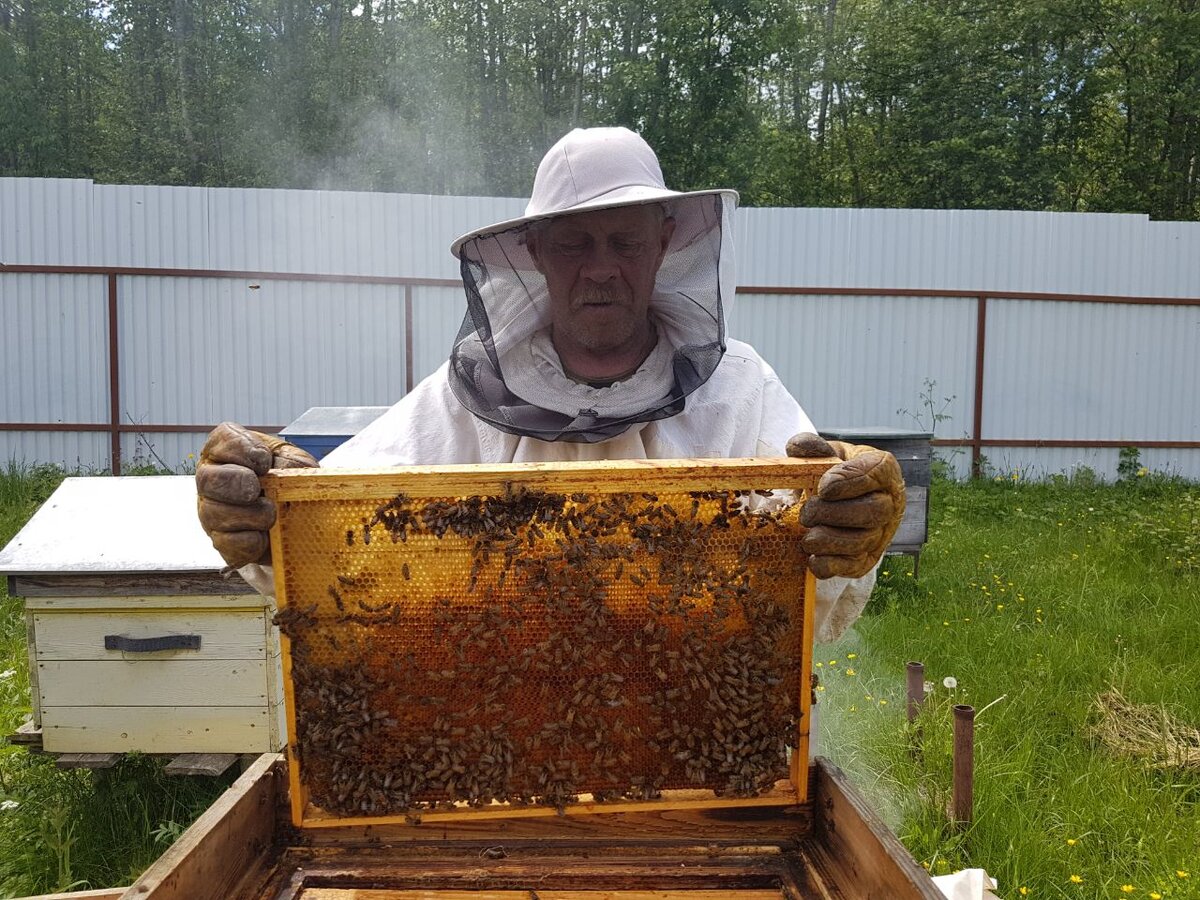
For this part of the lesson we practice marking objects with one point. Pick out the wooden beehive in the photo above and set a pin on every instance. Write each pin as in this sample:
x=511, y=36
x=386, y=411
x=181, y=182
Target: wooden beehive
x=136, y=641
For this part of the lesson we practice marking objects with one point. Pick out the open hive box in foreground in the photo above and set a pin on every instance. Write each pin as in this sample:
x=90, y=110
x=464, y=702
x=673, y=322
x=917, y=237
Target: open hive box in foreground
x=573, y=681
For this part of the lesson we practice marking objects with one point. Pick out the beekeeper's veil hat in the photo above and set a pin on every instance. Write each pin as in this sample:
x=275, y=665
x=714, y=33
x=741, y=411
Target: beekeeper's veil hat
x=503, y=367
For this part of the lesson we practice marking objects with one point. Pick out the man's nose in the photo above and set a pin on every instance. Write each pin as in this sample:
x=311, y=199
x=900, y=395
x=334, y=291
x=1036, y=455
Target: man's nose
x=600, y=265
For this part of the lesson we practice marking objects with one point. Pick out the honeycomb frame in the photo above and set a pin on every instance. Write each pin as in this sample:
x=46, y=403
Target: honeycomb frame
x=537, y=639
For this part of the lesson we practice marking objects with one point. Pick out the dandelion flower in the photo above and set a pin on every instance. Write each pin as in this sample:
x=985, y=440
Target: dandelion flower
x=1023, y=891
x=950, y=682
x=1071, y=842
x=849, y=671
x=1076, y=879
x=1155, y=895
x=1127, y=889
x=851, y=656
x=883, y=703
x=1179, y=873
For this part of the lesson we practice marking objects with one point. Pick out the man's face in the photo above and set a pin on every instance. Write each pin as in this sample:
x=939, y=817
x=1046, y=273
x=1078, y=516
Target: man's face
x=600, y=269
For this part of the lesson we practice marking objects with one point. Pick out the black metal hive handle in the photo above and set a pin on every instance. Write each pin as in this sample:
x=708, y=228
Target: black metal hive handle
x=152, y=644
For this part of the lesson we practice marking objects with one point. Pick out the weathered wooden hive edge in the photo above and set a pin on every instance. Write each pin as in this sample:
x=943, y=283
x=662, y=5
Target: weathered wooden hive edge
x=244, y=848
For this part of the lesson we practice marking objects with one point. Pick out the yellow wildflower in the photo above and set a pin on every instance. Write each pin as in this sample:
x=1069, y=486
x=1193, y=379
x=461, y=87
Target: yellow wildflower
x=1071, y=842
x=1179, y=873
x=1024, y=891
x=1127, y=889
x=1155, y=895
x=849, y=671
x=1076, y=879
x=851, y=656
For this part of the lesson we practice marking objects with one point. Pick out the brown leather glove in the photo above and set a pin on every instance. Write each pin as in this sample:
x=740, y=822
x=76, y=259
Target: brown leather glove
x=856, y=512
x=233, y=511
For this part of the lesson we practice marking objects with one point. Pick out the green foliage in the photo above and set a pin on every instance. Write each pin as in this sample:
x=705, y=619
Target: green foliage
x=1045, y=104
x=67, y=830
x=1129, y=463
x=1036, y=598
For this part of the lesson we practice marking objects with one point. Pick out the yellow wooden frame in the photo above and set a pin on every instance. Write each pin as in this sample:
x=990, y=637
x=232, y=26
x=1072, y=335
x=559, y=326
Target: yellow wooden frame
x=605, y=476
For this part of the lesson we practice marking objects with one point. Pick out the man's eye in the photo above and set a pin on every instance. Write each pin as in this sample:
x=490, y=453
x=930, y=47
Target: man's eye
x=628, y=248
x=570, y=249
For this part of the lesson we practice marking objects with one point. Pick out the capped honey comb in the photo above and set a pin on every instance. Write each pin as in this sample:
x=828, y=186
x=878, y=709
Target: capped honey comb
x=517, y=638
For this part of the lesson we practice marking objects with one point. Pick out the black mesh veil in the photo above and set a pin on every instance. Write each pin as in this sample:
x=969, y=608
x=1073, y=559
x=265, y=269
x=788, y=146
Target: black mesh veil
x=503, y=367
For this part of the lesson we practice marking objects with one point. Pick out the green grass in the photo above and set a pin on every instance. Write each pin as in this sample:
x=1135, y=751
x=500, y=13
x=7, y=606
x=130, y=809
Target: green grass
x=78, y=829
x=1036, y=598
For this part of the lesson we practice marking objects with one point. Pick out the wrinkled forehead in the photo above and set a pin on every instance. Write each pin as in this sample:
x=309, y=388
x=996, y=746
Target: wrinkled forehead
x=644, y=218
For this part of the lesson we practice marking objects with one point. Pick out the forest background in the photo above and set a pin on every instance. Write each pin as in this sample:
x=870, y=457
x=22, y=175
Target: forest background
x=1088, y=105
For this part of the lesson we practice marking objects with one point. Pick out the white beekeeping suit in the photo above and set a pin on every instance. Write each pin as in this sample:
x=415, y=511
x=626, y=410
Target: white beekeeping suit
x=504, y=395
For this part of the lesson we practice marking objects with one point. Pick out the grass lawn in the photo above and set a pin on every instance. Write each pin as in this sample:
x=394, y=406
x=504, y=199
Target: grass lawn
x=1036, y=598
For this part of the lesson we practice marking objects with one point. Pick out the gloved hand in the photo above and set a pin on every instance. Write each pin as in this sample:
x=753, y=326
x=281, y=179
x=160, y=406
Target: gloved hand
x=233, y=511
x=857, y=509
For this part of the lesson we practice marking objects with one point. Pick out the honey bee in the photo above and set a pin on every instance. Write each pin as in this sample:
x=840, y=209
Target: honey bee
x=337, y=598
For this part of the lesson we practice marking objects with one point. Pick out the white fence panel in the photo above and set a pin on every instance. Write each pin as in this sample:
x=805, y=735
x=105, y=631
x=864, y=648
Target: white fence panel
x=1091, y=371
x=55, y=359
x=259, y=352
x=854, y=361
x=437, y=315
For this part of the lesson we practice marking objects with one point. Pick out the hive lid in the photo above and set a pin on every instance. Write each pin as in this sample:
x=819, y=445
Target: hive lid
x=336, y=421
x=531, y=639
x=874, y=433
x=114, y=525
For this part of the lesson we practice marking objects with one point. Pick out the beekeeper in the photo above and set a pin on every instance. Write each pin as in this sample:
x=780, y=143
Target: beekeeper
x=595, y=329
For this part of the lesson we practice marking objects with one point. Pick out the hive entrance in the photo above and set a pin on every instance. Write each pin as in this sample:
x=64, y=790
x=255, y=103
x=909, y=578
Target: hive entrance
x=459, y=645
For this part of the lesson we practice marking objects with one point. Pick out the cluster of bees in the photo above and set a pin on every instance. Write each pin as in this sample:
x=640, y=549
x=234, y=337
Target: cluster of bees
x=532, y=647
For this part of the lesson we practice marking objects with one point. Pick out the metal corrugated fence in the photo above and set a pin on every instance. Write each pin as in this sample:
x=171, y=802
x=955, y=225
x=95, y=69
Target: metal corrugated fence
x=139, y=316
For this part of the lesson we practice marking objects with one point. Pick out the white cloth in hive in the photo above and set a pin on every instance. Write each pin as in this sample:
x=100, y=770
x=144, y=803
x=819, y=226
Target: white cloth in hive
x=969, y=884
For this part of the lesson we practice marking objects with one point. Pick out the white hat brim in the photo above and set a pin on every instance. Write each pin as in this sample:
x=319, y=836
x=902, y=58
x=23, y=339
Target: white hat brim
x=631, y=195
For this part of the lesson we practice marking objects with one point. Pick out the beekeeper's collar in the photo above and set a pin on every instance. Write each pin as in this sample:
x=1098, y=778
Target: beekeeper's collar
x=503, y=367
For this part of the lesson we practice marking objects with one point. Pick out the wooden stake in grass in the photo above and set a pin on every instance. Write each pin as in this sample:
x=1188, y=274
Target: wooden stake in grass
x=962, y=802
x=916, y=689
